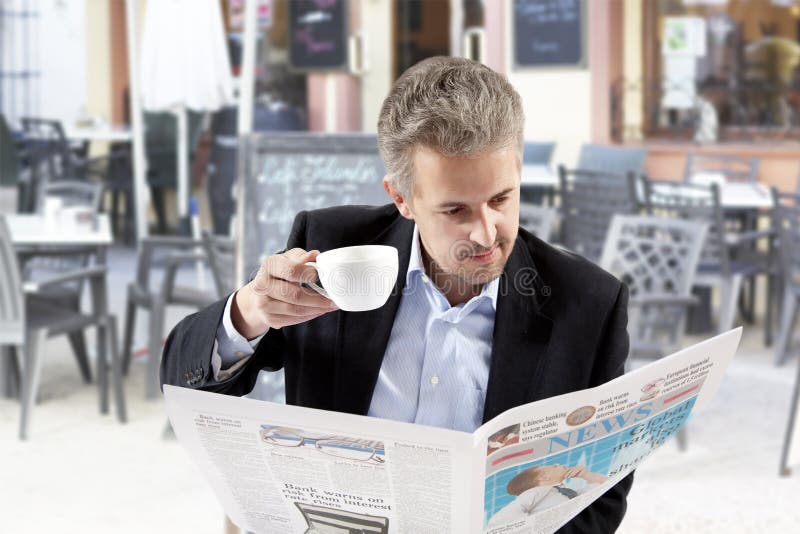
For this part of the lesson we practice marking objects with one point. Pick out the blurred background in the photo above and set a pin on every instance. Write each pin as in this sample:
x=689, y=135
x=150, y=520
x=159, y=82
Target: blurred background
x=152, y=151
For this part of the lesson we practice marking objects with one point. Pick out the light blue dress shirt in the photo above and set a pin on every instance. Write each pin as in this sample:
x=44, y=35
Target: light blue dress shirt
x=436, y=366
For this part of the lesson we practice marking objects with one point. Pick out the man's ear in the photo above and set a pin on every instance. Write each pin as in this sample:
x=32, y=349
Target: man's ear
x=397, y=198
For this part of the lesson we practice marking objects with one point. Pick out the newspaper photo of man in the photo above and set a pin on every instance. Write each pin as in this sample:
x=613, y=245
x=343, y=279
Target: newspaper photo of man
x=541, y=487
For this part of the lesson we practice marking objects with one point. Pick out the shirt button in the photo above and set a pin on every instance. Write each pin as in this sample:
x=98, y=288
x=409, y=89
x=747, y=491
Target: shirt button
x=434, y=380
x=239, y=354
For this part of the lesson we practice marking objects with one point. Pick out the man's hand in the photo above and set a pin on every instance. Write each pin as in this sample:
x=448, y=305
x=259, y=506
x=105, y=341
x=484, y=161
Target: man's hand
x=576, y=472
x=581, y=471
x=275, y=297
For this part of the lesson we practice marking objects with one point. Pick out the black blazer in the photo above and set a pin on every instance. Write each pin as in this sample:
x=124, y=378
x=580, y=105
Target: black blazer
x=560, y=326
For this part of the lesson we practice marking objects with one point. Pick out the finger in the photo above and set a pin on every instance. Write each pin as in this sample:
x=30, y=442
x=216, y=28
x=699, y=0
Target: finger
x=279, y=321
x=285, y=308
x=284, y=267
x=299, y=295
x=301, y=256
x=289, y=292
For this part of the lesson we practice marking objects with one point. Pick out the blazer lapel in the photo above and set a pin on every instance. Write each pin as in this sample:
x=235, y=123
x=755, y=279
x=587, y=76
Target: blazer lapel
x=363, y=336
x=521, y=335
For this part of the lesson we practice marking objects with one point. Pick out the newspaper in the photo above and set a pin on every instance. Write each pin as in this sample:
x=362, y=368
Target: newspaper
x=286, y=469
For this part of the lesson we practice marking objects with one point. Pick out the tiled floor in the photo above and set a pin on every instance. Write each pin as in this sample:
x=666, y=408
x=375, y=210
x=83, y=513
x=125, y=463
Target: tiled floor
x=81, y=472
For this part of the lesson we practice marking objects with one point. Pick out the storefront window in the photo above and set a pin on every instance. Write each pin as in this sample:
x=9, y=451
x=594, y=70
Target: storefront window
x=715, y=70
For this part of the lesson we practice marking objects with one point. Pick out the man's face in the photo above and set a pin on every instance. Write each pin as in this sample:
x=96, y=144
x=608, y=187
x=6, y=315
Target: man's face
x=467, y=212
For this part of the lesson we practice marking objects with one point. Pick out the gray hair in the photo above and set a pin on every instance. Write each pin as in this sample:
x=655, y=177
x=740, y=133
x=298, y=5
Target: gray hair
x=454, y=106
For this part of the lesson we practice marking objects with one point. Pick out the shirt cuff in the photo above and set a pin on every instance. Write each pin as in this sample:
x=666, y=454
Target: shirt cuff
x=231, y=349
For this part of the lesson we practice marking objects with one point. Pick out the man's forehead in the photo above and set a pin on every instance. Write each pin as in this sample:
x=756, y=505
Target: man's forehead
x=483, y=174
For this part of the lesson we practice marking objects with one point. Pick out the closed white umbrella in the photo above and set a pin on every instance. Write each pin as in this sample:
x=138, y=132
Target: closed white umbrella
x=184, y=65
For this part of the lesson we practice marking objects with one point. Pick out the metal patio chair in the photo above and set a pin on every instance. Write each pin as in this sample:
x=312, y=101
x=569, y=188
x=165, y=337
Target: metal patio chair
x=589, y=200
x=25, y=324
x=221, y=254
x=536, y=219
x=175, y=251
x=730, y=253
x=657, y=259
x=612, y=159
x=786, y=220
x=534, y=153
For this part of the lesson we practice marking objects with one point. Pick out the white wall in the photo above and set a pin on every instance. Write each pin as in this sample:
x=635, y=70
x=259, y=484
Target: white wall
x=98, y=59
x=376, y=23
x=62, y=58
x=557, y=102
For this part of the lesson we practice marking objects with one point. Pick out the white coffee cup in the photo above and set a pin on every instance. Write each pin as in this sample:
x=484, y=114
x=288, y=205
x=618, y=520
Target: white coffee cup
x=357, y=278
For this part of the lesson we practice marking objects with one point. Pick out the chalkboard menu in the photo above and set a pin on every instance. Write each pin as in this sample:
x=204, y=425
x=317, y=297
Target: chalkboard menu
x=549, y=33
x=282, y=174
x=285, y=173
x=318, y=35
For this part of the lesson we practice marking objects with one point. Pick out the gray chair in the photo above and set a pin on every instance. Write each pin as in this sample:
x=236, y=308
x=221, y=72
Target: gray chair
x=537, y=153
x=9, y=157
x=721, y=169
x=730, y=253
x=26, y=323
x=786, y=220
x=141, y=294
x=42, y=263
x=733, y=169
x=589, y=200
x=612, y=159
x=536, y=219
x=657, y=259
x=221, y=255
x=50, y=157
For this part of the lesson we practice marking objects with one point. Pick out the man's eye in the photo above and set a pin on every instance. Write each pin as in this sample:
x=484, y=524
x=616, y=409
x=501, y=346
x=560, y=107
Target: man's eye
x=454, y=211
x=499, y=200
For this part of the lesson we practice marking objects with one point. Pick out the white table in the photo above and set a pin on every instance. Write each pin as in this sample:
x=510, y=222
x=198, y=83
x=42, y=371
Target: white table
x=738, y=196
x=745, y=196
x=538, y=176
x=100, y=132
x=34, y=230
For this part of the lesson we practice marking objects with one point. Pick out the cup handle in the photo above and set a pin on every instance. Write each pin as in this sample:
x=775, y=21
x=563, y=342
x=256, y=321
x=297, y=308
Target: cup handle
x=314, y=286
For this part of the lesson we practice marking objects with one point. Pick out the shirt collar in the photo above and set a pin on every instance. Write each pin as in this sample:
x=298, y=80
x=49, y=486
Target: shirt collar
x=415, y=266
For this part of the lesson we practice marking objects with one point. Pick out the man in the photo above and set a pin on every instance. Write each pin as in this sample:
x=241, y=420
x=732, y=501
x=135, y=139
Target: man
x=484, y=317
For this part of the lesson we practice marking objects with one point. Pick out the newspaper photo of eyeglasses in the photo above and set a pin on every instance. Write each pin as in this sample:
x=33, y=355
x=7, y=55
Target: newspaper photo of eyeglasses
x=348, y=448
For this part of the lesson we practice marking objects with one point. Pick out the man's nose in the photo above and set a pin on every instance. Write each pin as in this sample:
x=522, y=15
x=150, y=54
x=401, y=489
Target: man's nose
x=484, y=230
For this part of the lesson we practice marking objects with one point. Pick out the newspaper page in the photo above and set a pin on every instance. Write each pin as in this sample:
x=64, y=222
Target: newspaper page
x=284, y=469
x=287, y=469
x=547, y=461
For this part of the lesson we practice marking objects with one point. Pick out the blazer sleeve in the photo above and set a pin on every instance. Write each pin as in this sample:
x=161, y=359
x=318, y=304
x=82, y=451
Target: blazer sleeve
x=186, y=359
x=605, y=514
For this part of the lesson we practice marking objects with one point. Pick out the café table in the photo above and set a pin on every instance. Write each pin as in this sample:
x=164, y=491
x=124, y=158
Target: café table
x=34, y=234
x=538, y=182
x=739, y=196
x=100, y=132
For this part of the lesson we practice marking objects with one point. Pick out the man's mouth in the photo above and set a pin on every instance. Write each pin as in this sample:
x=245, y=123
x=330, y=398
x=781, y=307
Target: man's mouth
x=485, y=256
